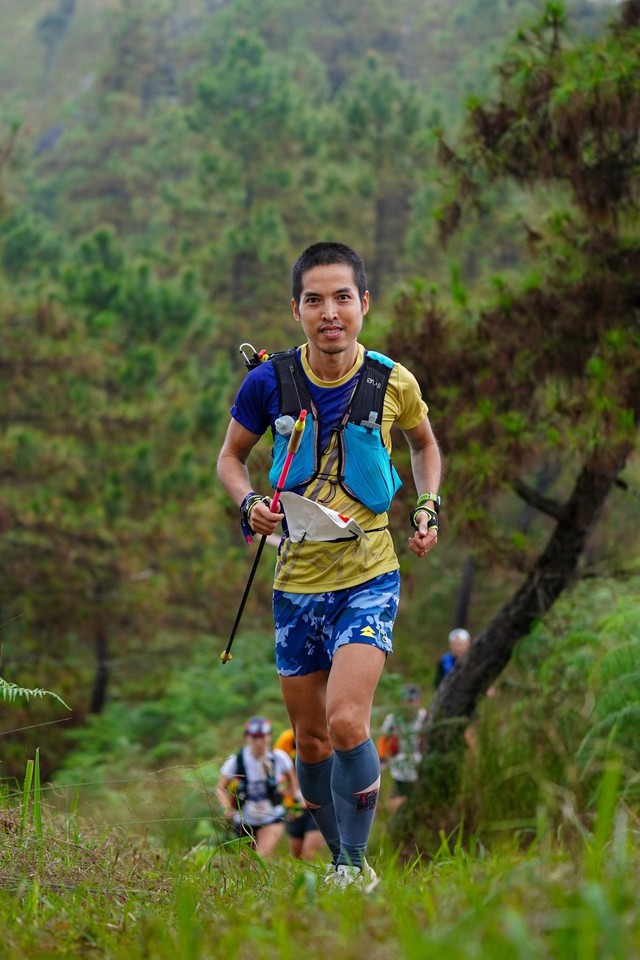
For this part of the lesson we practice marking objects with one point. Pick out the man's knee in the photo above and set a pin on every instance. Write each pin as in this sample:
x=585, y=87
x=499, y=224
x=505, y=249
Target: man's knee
x=347, y=728
x=313, y=746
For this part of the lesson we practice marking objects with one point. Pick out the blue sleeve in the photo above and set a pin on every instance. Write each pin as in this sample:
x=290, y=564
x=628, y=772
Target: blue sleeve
x=256, y=404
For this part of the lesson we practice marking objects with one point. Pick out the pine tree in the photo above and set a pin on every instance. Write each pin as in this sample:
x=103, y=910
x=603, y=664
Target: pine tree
x=551, y=366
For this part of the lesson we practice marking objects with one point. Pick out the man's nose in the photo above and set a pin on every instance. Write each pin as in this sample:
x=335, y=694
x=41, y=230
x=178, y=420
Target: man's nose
x=329, y=309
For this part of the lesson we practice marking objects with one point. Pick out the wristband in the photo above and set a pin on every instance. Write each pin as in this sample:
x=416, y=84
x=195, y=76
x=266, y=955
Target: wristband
x=426, y=497
x=432, y=514
x=246, y=507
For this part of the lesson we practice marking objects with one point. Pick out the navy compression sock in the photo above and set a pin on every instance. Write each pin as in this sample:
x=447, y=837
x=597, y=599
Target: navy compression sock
x=315, y=786
x=355, y=783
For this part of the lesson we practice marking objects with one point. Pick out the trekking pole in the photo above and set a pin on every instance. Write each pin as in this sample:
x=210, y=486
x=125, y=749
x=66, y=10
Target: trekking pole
x=294, y=443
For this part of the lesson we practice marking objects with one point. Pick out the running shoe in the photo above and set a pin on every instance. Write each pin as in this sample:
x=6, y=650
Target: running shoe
x=359, y=878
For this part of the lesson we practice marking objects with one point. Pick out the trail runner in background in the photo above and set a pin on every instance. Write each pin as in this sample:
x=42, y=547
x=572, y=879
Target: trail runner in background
x=400, y=744
x=253, y=786
x=335, y=599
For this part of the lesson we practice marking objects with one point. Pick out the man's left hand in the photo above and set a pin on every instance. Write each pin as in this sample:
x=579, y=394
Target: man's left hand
x=423, y=539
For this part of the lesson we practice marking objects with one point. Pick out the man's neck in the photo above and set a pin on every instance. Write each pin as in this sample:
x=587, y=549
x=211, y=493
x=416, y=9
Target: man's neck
x=332, y=366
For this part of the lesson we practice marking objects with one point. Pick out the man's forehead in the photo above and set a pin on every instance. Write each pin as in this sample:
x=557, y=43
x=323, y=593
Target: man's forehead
x=336, y=276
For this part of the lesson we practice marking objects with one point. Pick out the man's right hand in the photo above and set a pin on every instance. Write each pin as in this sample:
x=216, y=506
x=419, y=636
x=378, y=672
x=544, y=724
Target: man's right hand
x=263, y=521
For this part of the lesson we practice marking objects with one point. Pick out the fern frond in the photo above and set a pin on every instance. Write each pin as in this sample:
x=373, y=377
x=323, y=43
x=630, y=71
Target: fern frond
x=11, y=691
x=622, y=658
x=623, y=624
x=611, y=728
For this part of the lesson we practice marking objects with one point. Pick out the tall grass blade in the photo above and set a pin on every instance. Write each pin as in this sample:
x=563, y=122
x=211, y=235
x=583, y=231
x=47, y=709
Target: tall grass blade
x=189, y=929
x=37, y=800
x=26, y=795
x=607, y=805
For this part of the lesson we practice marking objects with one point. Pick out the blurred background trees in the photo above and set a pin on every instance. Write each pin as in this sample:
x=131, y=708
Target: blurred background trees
x=161, y=165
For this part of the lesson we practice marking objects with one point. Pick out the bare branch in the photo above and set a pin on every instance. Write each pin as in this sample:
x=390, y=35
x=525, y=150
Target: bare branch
x=552, y=508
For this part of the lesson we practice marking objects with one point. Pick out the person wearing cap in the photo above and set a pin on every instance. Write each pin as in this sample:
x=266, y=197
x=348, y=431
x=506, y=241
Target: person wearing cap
x=459, y=643
x=253, y=785
x=400, y=745
x=335, y=595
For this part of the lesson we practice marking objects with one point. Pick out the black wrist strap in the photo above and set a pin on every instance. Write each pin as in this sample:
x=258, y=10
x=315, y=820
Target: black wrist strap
x=246, y=507
x=432, y=521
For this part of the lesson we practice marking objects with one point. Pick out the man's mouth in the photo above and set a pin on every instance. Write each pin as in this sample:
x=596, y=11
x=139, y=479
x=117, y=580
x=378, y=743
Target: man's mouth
x=331, y=332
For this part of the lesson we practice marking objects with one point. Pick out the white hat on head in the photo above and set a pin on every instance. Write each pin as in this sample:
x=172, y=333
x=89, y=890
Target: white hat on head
x=459, y=634
x=257, y=727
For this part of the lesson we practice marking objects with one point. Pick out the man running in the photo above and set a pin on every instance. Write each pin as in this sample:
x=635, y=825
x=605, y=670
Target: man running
x=335, y=597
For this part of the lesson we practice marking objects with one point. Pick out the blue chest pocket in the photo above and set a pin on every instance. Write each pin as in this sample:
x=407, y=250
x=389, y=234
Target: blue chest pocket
x=369, y=474
x=303, y=464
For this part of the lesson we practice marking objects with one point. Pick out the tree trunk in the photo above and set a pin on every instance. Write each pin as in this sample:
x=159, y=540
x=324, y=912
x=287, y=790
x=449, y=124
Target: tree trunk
x=491, y=651
x=463, y=599
x=458, y=694
x=101, y=678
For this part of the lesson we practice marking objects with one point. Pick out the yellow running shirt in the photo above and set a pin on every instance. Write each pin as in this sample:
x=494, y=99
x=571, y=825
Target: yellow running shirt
x=308, y=567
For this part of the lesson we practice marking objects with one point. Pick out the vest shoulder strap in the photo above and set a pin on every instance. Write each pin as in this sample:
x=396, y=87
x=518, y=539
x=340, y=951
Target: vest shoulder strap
x=241, y=772
x=293, y=395
x=240, y=790
x=368, y=399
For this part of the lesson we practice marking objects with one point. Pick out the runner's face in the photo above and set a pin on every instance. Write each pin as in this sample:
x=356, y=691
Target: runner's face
x=258, y=744
x=459, y=646
x=330, y=310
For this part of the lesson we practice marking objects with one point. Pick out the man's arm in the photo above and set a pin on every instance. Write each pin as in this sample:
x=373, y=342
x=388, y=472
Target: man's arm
x=234, y=475
x=426, y=466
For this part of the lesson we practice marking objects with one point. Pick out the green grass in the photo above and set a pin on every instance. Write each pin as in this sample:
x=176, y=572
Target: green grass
x=69, y=887
x=537, y=858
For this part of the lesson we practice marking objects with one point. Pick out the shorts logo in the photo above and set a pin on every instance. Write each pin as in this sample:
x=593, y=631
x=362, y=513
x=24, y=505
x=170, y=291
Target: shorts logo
x=368, y=632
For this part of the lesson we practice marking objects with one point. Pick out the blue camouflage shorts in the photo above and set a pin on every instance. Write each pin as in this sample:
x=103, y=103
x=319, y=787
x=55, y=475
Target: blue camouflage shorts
x=311, y=626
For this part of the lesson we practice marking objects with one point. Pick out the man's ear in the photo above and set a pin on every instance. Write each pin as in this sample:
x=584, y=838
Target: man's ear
x=294, y=308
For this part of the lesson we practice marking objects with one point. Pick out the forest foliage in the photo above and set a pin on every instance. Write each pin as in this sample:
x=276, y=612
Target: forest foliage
x=152, y=200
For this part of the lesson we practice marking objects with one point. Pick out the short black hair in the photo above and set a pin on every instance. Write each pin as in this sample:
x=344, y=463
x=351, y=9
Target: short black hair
x=323, y=254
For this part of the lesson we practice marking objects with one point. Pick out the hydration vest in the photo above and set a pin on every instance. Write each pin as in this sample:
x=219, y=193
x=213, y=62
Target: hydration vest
x=240, y=791
x=364, y=470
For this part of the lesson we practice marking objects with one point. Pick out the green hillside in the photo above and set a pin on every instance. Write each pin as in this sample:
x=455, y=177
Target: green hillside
x=173, y=158
x=32, y=33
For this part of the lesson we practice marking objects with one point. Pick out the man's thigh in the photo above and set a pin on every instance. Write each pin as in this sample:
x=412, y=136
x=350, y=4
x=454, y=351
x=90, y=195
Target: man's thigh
x=306, y=703
x=351, y=688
